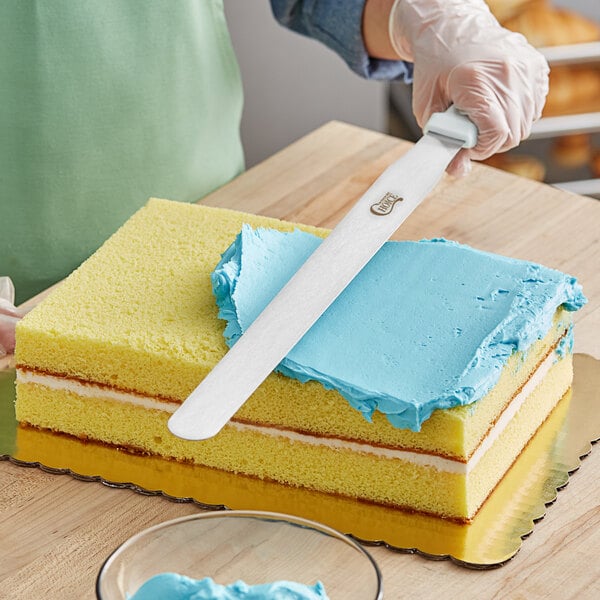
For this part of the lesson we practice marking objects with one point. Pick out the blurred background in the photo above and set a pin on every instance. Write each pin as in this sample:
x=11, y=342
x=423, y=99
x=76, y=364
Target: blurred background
x=293, y=85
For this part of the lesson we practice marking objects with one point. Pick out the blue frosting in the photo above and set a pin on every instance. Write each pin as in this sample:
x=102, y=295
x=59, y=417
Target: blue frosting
x=425, y=325
x=179, y=587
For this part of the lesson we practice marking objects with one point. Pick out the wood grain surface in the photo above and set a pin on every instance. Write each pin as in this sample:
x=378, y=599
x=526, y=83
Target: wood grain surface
x=55, y=531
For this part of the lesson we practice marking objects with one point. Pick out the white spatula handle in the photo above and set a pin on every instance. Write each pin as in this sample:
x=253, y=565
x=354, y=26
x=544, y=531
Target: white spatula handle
x=453, y=124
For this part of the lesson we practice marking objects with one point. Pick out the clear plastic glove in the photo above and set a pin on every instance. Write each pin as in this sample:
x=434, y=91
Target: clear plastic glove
x=462, y=56
x=9, y=316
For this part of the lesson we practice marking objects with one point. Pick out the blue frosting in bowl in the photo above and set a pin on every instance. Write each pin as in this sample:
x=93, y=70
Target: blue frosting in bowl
x=425, y=325
x=173, y=586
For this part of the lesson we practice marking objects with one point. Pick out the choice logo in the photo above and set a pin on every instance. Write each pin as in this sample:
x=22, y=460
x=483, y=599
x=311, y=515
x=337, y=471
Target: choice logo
x=385, y=205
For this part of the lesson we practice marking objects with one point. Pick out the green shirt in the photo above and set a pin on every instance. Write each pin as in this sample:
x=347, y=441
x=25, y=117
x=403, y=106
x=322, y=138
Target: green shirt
x=104, y=103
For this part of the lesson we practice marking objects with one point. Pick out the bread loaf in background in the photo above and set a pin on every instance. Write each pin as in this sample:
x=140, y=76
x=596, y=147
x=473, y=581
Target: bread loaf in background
x=546, y=25
x=572, y=151
x=573, y=89
x=505, y=9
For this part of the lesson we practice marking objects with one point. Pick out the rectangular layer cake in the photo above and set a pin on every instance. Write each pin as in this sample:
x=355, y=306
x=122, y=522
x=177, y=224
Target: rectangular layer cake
x=418, y=388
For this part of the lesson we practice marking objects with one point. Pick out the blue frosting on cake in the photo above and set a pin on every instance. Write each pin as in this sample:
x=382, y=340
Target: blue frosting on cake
x=425, y=325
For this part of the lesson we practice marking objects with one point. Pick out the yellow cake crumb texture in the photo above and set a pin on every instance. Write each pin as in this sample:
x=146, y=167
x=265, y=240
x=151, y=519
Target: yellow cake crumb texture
x=140, y=314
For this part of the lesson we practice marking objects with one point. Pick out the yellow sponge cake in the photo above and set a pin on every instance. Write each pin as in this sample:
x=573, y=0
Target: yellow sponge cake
x=417, y=389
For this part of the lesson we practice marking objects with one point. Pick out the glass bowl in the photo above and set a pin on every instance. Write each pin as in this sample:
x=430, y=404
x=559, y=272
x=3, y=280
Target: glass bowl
x=253, y=546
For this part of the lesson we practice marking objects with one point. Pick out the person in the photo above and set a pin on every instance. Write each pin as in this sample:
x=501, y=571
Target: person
x=104, y=104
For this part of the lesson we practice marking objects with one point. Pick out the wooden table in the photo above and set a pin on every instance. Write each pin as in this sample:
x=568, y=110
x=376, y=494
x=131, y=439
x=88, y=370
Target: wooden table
x=55, y=531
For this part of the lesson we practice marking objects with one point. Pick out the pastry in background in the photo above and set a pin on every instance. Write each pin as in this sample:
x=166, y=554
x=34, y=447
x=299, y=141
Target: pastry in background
x=573, y=89
x=545, y=25
x=518, y=164
x=505, y=9
x=572, y=151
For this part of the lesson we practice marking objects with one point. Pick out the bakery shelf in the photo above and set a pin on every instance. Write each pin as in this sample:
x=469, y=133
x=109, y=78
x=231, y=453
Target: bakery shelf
x=587, y=122
x=572, y=54
x=585, y=187
x=545, y=131
x=565, y=125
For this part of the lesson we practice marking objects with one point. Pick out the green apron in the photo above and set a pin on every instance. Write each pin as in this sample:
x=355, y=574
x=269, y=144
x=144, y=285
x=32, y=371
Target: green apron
x=103, y=104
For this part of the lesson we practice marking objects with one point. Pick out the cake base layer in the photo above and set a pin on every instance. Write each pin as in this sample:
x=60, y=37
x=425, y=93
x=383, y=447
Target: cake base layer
x=312, y=463
x=519, y=499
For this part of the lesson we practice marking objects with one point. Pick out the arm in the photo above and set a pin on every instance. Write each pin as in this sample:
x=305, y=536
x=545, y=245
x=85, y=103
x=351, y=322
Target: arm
x=339, y=25
x=375, y=27
x=463, y=56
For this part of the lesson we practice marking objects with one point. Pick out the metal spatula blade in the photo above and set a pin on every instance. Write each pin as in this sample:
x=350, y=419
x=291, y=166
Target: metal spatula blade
x=359, y=235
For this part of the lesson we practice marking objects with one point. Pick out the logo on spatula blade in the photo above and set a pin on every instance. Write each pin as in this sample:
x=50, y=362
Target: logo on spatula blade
x=386, y=204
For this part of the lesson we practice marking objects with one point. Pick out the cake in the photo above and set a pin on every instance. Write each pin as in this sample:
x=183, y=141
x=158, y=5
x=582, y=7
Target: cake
x=422, y=404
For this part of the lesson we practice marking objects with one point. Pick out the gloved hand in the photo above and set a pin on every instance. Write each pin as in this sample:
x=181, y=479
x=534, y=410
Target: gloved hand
x=462, y=56
x=9, y=316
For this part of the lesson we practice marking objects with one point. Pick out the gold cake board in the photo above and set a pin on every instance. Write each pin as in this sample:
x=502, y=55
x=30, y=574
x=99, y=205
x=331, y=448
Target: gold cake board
x=492, y=538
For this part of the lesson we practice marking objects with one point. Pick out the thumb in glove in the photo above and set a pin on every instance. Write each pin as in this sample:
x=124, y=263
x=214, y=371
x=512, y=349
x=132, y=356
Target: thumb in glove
x=9, y=316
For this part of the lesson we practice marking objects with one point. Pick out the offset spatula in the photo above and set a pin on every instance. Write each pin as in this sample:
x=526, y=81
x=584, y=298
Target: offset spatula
x=331, y=267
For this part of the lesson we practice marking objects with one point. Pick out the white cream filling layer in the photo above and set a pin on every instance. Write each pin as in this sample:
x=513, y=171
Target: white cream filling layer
x=418, y=458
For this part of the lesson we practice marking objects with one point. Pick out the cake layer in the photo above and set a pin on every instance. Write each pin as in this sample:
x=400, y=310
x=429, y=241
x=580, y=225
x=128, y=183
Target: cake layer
x=311, y=463
x=500, y=405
